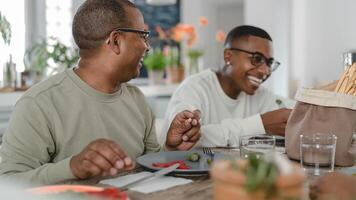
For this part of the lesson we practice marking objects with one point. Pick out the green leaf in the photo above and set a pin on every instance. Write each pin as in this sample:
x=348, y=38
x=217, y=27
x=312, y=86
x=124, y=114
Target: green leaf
x=37, y=58
x=260, y=174
x=5, y=29
x=195, y=54
x=155, y=60
x=194, y=157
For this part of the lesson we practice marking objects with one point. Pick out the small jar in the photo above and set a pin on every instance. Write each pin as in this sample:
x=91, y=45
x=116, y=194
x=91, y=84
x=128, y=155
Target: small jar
x=9, y=74
x=349, y=58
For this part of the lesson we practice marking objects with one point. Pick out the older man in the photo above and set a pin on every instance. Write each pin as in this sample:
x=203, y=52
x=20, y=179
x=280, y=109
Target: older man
x=230, y=100
x=87, y=122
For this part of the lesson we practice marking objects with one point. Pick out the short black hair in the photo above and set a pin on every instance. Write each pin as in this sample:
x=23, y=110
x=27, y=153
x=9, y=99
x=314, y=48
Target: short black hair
x=95, y=19
x=245, y=31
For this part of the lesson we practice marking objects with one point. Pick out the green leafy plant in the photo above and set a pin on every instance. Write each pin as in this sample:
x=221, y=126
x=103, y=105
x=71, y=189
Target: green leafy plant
x=155, y=60
x=50, y=54
x=5, y=29
x=260, y=174
x=194, y=56
x=195, y=53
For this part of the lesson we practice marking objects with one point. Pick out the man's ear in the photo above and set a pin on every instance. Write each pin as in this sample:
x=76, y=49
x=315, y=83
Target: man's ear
x=114, y=42
x=227, y=55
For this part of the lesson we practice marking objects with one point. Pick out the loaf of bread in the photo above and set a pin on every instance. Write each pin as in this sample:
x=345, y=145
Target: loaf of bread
x=347, y=82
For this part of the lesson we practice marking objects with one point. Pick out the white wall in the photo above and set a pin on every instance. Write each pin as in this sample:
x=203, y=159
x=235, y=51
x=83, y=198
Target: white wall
x=229, y=16
x=323, y=30
x=274, y=17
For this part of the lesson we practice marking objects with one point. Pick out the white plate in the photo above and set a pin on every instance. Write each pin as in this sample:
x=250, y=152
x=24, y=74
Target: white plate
x=196, y=168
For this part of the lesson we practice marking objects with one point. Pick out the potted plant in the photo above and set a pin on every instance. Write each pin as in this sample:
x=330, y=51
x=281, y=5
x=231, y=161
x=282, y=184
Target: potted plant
x=174, y=69
x=258, y=179
x=9, y=72
x=49, y=56
x=5, y=29
x=155, y=63
x=194, y=56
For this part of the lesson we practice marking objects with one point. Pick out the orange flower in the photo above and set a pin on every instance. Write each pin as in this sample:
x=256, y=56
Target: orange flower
x=220, y=36
x=192, y=39
x=177, y=34
x=203, y=21
x=181, y=31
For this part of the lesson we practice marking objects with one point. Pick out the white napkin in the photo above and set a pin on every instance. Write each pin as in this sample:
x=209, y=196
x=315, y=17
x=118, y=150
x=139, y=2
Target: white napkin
x=148, y=186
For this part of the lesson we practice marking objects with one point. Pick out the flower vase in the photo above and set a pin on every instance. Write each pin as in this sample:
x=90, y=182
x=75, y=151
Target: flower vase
x=9, y=74
x=175, y=74
x=194, y=61
x=155, y=77
x=193, y=65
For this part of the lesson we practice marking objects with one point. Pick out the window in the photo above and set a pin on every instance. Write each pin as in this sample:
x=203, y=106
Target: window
x=59, y=20
x=14, y=11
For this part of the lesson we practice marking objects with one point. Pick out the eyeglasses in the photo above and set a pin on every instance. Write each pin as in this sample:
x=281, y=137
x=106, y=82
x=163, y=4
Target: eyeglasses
x=143, y=34
x=258, y=59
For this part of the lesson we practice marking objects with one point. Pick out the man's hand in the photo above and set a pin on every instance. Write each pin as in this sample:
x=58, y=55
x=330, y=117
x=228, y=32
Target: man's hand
x=333, y=186
x=275, y=121
x=184, y=131
x=101, y=157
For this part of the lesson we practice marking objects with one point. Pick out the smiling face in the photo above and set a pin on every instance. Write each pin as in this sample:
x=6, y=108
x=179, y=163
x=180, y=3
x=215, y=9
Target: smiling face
x=133, y=46
x=246, y=76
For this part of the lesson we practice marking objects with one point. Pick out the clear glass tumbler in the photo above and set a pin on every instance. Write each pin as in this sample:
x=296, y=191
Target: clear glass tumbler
x=256, y=144
x=317, y=153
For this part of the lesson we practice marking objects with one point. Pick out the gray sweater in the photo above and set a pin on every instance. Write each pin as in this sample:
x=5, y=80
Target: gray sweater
x=58, y=117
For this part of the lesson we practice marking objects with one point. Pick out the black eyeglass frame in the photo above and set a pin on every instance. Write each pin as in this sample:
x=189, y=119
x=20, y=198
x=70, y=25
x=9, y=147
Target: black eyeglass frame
x=145, y=34
x=270, y=62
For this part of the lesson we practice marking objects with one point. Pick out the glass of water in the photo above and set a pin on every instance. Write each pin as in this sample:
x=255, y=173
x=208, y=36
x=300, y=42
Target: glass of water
x=317, y=153
x=256, y=144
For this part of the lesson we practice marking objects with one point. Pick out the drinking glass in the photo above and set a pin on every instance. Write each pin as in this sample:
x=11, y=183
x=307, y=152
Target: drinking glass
x=256, y=144
x=317, y=153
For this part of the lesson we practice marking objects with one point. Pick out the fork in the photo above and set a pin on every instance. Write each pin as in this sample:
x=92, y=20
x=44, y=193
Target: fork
x=209, y=152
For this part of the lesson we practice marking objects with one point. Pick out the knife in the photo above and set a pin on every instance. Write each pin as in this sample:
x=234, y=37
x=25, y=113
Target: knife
x=154, y=175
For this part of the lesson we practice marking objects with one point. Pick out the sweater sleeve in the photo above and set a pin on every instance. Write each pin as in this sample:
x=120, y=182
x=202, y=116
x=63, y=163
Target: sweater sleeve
x=184, y=98
x=272, y=101
x=228, y=131
x=28, y=148
x=189, y=97
x=193, y=95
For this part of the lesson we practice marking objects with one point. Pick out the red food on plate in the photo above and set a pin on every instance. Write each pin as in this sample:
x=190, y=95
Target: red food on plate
x=182, y=164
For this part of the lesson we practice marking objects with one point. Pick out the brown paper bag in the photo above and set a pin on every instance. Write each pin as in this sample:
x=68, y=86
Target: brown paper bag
x=319, y=111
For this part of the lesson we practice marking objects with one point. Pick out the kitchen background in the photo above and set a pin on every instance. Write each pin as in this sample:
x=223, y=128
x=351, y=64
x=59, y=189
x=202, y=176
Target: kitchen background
x=309, y=36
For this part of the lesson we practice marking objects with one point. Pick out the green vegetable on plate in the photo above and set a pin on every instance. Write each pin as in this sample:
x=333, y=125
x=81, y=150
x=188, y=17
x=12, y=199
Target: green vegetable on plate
x=194, y=157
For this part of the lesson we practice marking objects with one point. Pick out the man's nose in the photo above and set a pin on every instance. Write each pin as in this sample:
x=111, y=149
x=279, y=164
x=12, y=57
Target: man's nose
x=264, y=69
x=148, y=46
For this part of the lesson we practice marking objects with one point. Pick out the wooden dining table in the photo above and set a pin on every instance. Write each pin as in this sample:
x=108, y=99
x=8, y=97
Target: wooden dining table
x=200, y=189
x=202, y=186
